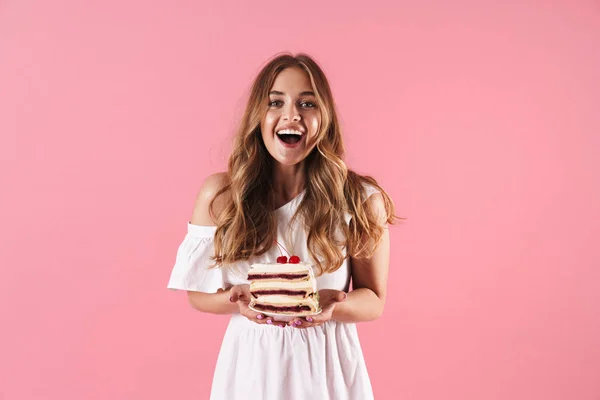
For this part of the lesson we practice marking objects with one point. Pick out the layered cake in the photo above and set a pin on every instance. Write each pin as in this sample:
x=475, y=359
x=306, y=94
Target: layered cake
x=284, y=288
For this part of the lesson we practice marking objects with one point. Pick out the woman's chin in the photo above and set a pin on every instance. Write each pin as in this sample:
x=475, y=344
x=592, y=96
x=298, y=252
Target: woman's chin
x=288, y=161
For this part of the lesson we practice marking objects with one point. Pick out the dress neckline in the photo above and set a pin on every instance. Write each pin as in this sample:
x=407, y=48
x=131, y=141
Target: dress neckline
x=293, y=200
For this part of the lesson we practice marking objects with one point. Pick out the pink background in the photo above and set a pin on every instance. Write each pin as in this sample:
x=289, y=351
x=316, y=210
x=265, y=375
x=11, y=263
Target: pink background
x=481, y=119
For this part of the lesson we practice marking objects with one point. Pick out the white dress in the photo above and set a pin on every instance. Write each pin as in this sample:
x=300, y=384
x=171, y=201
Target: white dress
x=265, y=362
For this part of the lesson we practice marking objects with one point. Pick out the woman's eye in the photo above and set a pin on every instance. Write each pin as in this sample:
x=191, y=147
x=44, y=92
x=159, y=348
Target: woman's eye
x=304, y=104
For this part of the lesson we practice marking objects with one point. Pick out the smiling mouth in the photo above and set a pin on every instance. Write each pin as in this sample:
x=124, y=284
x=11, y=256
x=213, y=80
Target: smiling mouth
x=289, y=138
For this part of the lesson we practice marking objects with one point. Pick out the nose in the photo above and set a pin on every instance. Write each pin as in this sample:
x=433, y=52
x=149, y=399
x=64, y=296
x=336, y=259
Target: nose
x=291, y=111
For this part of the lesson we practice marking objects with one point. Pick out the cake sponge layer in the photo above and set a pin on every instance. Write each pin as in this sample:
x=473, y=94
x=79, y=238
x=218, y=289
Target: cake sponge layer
x=287, y=304
x=273, y=287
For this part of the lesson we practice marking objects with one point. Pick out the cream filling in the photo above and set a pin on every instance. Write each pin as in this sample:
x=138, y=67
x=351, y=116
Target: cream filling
x=279, y=300
x=310, y=286
x=274, y=268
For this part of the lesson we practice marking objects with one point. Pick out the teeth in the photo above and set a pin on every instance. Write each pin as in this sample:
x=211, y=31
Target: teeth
x=289, y=132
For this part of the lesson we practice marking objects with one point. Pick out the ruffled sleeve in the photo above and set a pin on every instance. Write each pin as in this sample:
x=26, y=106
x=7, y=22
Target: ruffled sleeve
x=191, y=270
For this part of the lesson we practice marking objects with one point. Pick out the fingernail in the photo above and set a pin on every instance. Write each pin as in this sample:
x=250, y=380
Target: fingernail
x=309, y=319
x=259, y=316
x=269, y=322
x=298, y=322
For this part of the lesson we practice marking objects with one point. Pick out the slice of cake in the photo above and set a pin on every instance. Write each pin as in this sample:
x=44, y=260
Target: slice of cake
x=284, y=288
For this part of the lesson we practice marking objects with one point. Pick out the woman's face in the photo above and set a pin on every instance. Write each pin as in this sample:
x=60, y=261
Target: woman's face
x=290, y=126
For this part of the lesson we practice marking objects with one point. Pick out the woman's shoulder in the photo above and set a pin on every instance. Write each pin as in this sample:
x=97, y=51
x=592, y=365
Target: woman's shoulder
x=369, y=188
x=373, y=196
x=363, y=185
x=211, y=186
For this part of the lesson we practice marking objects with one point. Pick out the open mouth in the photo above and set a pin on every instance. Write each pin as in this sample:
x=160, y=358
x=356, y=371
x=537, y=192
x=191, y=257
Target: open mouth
x=290, y=137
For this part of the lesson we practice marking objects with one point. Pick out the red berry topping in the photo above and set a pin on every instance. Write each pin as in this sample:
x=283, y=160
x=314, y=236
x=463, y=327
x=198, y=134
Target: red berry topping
x=282, y=259
x=294, y=259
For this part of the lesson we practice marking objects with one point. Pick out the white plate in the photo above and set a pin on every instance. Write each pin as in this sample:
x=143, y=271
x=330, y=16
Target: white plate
x=284, y=317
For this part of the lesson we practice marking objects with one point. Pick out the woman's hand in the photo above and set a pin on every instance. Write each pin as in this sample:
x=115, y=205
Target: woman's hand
x=240, y=294
x=328, y=299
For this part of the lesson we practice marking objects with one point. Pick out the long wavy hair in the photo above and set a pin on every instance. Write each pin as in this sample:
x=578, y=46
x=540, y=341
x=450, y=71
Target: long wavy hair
x=247, y=226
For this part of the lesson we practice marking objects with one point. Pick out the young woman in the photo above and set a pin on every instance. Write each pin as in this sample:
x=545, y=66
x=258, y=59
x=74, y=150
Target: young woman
x=287, y=186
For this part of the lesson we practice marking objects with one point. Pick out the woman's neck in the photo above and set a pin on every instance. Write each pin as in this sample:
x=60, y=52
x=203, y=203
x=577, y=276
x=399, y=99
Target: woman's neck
x=288, y=182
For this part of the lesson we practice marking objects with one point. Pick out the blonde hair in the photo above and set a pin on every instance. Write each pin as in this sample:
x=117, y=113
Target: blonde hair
x=247, y=226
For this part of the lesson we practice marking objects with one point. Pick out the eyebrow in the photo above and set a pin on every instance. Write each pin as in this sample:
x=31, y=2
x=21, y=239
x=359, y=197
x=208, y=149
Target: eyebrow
x=307, y=93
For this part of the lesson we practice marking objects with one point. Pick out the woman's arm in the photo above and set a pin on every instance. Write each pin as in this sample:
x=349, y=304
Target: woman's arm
x=215, y=303
x=369, y=277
